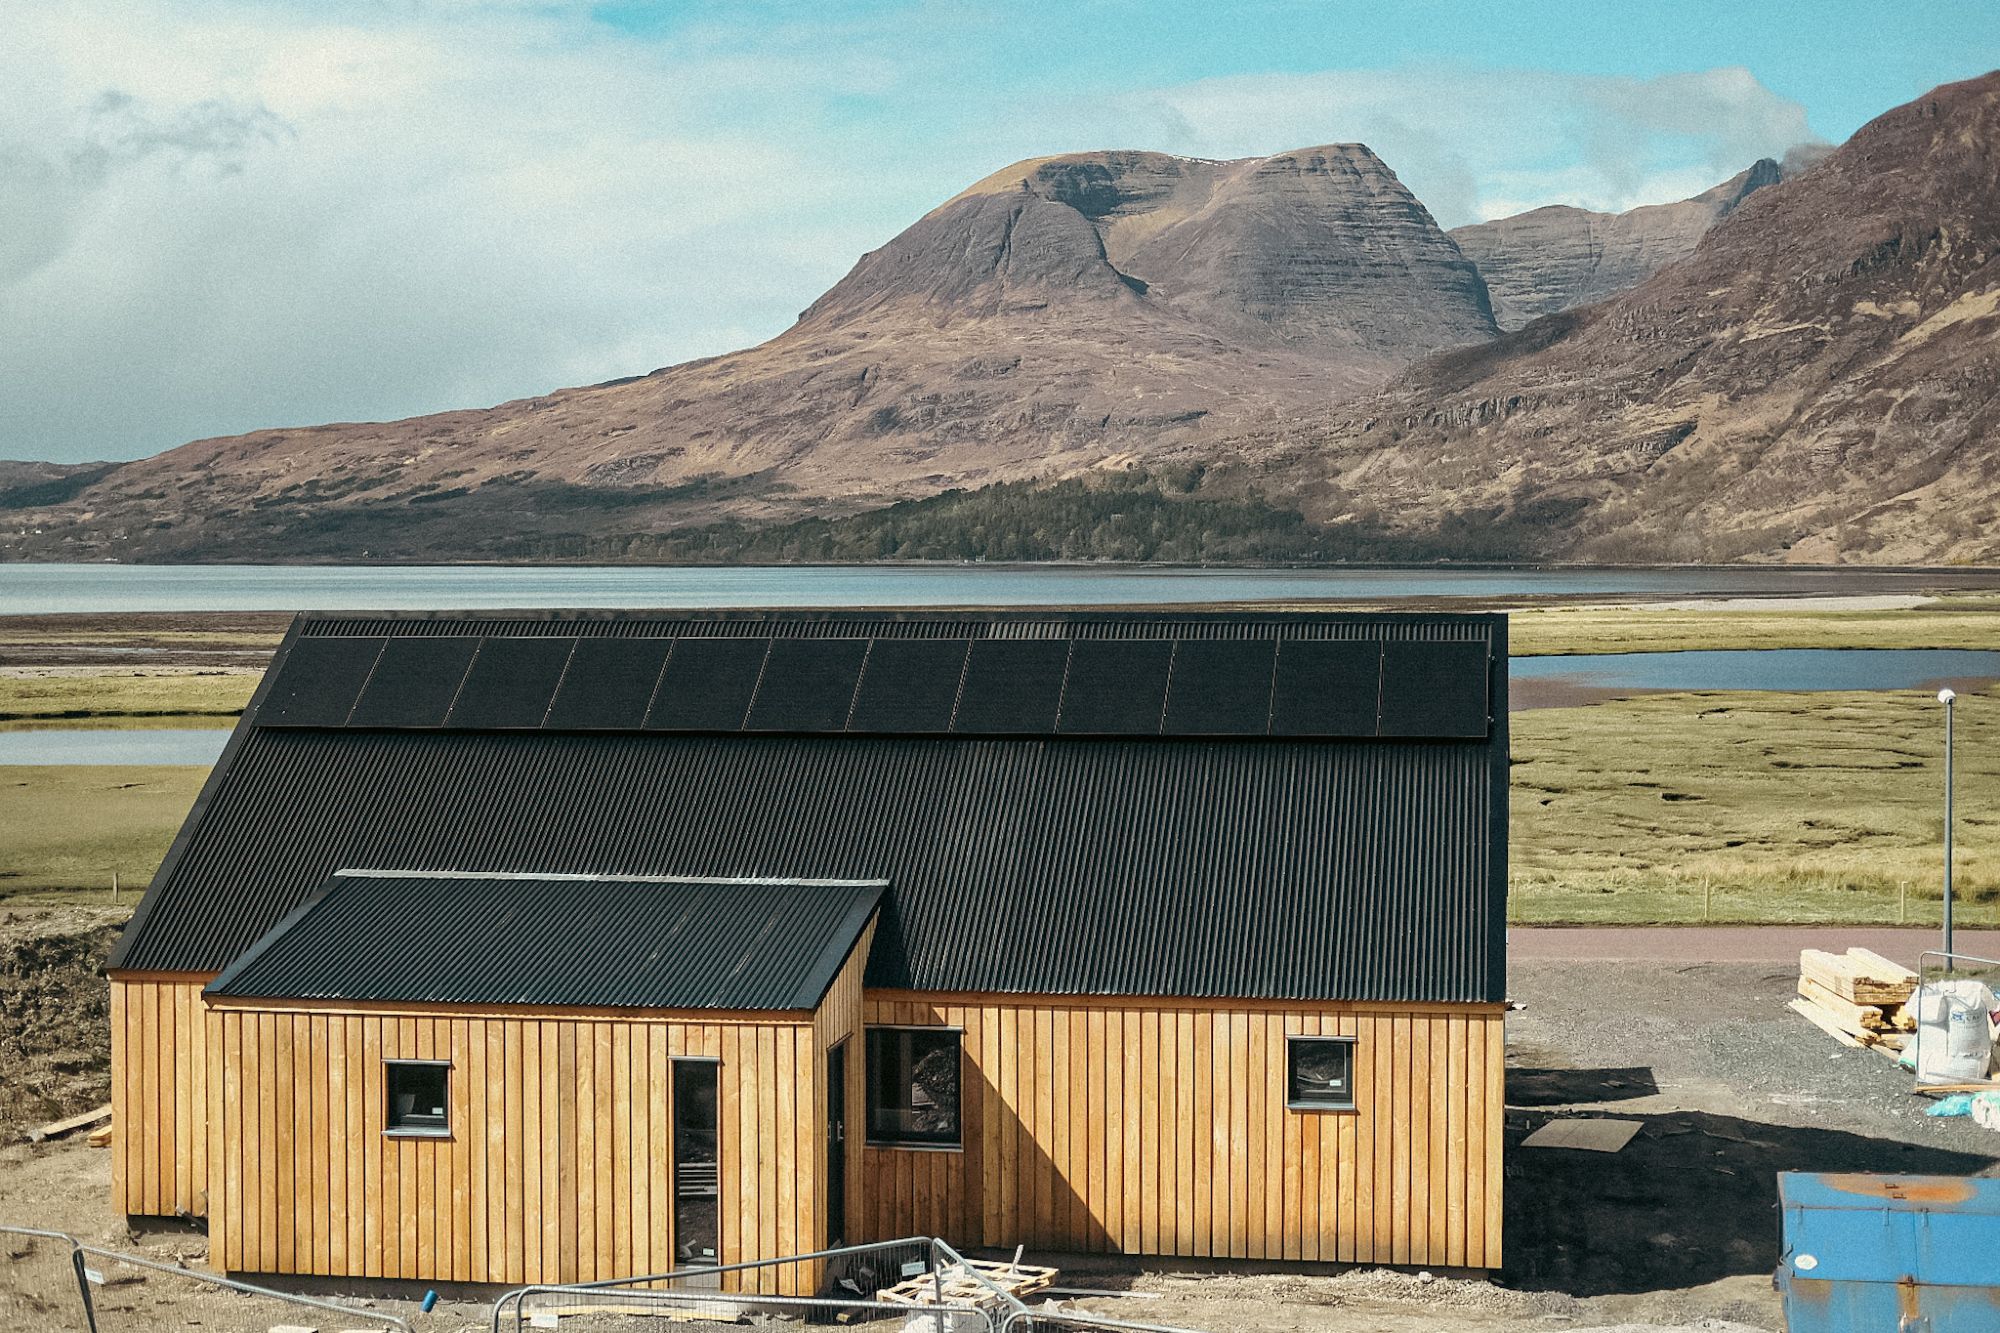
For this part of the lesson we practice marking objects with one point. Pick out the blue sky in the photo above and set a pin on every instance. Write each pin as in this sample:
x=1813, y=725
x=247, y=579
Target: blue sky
x=220, y=216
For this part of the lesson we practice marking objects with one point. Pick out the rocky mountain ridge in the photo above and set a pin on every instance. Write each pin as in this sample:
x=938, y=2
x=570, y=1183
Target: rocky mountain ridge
x=1819, y=380
x=1557, y=258
x=1811, y=379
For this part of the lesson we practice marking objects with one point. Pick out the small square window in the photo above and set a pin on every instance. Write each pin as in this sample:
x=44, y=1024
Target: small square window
x=1319, y=1074
x=913, y=1087
x=419, y=1096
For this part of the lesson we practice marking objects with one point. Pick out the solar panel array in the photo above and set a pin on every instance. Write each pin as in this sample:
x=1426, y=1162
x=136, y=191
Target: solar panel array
x=889, y=686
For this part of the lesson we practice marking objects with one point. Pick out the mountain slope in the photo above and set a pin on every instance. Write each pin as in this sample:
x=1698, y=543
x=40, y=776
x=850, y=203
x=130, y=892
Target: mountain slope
x=1819, y=380
x=1060, y=313
x=1553, y=258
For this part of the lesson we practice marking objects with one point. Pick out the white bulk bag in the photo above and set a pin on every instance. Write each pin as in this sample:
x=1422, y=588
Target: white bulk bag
x=1953, y=1042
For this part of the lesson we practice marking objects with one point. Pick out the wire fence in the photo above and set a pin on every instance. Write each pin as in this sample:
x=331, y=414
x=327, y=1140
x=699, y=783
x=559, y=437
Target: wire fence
x=839, y=1286
x=52, y=1281
x=43, y=1282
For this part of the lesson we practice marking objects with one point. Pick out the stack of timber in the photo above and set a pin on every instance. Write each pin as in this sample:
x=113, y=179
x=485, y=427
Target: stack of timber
x=1858, y=998
x=963, y=1285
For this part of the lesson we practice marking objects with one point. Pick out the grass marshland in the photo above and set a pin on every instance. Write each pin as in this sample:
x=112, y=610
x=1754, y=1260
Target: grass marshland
x=1777, y=807
x=70, y=826
x=111, y=700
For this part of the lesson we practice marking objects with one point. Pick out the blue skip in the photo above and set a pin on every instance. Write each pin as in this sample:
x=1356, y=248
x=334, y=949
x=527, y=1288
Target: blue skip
x=1889, y=1254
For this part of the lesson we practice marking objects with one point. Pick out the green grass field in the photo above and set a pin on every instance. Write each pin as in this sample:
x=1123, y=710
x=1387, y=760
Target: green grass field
x=1956, y=622
x=69, y=827
x=100, y=700
x=1781, y=807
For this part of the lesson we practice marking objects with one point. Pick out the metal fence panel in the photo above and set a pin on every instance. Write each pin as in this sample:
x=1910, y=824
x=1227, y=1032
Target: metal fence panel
x=618, y=1309
x=837, y=1286
x=42, y=1284
x=134, y=1294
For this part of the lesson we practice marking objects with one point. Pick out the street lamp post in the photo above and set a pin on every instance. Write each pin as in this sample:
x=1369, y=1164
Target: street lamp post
x=1947, y=698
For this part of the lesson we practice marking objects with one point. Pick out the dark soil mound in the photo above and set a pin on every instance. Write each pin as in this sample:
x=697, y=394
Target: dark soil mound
x=55, y=1013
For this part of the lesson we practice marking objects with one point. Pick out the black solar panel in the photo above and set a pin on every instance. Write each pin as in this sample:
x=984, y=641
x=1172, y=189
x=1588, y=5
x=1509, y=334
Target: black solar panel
x=909, y=685
x=1012, y=687
x=808, y=685
x=608, y=684
x=319, y=682
x=1326, y=688
x=1220, y=687
x=707, y=685
x=1116, y=687
x=414, y=683
x=511, y=684
x=1434, y=689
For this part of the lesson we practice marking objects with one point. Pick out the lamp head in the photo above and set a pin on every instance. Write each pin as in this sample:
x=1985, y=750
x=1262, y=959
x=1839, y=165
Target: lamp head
x=1946, y=695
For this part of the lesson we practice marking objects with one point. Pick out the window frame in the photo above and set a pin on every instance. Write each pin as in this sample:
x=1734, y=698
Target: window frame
x=392, y=1130
x=1292, y=1041
x=869, y=1137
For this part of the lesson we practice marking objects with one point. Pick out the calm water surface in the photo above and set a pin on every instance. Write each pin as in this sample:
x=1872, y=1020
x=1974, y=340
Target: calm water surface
x=111, y=747
x=45, y=589
x=1537, y=682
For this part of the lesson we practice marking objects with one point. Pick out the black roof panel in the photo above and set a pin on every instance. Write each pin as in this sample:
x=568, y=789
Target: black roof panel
x=1434, y=689
x=608, y=684
x=1327, y=688
x=808, y=685
x=318, y=681
x=909, y=686
x=1115, y=687
x=1012, y=687
x=511, y=684
x=440, y=938
x=707, y=684
x=414, y=683
x=1221, y=688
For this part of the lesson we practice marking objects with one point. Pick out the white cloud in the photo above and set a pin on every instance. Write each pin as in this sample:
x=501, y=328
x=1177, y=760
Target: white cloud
x=216, y=217
x=1476, y=143
x=212, y=222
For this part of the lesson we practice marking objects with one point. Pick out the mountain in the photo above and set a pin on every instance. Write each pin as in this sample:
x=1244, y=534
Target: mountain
x=1553, y=258
x=1132, y=353
x=1061, y=313
x=1818, y=381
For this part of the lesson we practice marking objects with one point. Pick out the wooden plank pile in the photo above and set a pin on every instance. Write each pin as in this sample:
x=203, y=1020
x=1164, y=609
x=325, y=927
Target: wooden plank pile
x=1858, y=998
x=956, y=1285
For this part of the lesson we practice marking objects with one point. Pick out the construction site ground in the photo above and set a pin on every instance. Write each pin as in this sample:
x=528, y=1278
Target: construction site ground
x=1678, y=1230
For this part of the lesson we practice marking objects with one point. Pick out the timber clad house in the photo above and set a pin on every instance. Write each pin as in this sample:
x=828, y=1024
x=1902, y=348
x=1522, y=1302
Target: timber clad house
x=560, y=947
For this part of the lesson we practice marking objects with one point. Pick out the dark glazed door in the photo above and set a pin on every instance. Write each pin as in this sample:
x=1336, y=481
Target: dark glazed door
x=836, y=1145
x=697, y=1241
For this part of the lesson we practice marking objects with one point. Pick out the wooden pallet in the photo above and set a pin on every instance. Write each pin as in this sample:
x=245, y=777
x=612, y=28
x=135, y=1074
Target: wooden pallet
x=957, y=1286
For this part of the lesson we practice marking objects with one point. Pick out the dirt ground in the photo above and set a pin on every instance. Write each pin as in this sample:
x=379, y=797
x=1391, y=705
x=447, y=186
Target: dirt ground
x=1677, y=1231
x=55, y=1056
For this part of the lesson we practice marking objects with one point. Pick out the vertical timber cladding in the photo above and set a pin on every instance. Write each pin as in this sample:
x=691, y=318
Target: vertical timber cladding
x=558, y=1166
x=164, y=1064
x=838, y=1019
x=1144, y=1126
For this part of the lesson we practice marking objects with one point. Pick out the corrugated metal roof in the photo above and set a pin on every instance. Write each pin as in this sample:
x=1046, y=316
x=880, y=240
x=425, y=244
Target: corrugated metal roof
x=619, y=942
x=1308, y=869
x=1261, y=866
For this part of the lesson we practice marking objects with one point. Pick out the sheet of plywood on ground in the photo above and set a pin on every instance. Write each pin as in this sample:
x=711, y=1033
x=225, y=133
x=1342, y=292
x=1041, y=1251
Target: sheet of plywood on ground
x=558, y=1163
x=1411, y=1175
